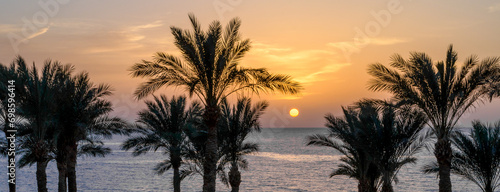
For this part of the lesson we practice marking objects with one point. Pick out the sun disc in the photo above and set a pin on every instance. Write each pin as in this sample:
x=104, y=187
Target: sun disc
x=294, y=112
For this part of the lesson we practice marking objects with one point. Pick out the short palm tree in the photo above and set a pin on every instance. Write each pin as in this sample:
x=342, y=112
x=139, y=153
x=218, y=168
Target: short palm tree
x=476, y=156
x=37, y=106
x=162, y=127
x=441, y=90
x=210, y=70
x=83, y=115
x=235, y=125
x=377, y=139
x=394, y=137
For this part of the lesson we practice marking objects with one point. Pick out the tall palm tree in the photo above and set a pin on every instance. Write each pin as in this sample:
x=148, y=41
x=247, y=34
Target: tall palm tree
x=442, y=91
x=234, y=126
x=161, y=127
x=37, y=106
x=476, y=156
x=210, y=70
x=83, y=113
x=377, y=139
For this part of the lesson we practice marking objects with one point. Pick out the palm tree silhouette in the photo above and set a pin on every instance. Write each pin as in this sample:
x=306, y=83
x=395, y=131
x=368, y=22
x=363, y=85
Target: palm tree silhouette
x=476, y=156
x=83, y=114
x=441, y=91
x=376, y=139
x=393, y=138
x=210, y=70
x=161, y=127
x=234, y=126
x=37, y=104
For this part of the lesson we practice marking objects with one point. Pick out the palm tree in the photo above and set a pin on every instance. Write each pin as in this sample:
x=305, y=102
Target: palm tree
x=476, y=156
x=83, y=113
x=161, y=127
x=7, y=73
x=210, y=71
x=394, y=137
x=37, y=106
x=441, y=91
x=355, y=163
x=234, y=126
x=377, y=139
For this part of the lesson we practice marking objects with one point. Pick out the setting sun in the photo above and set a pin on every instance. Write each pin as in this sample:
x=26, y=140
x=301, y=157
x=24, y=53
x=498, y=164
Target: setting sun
x=294, y=112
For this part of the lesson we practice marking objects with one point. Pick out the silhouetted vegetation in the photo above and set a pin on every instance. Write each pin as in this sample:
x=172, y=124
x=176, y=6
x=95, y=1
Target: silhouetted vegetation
x=376, y=139
x=441, y=90
x=49, y=130
x=162, y=127
x=209, y=70
x=476, y=156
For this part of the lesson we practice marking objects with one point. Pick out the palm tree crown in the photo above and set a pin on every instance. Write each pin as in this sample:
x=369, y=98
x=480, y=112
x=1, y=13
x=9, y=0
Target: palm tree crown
x=236, y=124
x=210, y=68
x=162, y=127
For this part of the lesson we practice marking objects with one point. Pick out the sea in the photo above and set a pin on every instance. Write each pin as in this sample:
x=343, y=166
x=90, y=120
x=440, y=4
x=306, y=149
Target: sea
x=284, y=163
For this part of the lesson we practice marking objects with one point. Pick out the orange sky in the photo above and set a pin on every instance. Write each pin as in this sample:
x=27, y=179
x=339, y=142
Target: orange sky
x=326, y=45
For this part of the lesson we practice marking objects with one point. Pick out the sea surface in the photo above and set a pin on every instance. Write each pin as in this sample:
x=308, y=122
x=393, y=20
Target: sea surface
x=283, y=164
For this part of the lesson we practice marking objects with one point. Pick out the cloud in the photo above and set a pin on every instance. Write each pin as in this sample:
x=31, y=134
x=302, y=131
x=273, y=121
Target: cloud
x=494, y=8
x=388, y=41
x=360, y=43
x=306, y=66
x=126, y=38
x=347, y=48
x=40, y=32
x=9, y=28
x=157, y=23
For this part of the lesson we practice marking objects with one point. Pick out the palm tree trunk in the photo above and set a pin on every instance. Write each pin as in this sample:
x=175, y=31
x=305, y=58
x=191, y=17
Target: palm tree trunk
x=62, y=164
x=210, y=117
x=177, y=180
x=175, y=160
x=234, y=178
x=41, y=176
x=443, y=155
x=489, y=189
x=489, y=186
x=365, y=185
x=72, y=167
x=62, y=169
x=387, y=187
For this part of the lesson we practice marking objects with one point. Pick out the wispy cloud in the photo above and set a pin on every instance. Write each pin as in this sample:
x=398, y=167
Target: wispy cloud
x=157, y=23
x=9, y=28
x=126, y=38
x=494, y=8
x=306, y=66
x=373, y=41
x=40, y=32
x=388, y=41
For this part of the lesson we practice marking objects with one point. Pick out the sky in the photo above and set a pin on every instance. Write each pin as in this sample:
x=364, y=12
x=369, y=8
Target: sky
x=325, y=45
